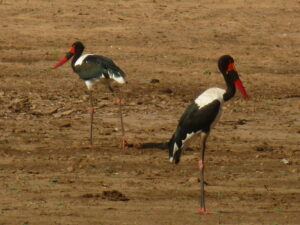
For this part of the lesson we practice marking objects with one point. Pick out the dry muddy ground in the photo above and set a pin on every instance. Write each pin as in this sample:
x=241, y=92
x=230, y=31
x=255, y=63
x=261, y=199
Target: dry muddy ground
x=169, y=50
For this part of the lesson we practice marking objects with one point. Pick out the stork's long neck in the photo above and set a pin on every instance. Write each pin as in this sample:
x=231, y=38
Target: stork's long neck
x=230, y=91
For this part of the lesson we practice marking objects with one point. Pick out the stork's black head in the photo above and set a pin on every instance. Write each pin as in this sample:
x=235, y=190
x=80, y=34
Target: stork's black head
x=227, y=68
x=77, y=49
x=224, y=62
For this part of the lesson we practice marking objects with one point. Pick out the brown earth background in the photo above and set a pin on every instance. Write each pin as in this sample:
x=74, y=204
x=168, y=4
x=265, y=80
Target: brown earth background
x=169, y=50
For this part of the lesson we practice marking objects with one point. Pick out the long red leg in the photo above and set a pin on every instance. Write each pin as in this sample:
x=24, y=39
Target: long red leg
x=91, y=111
x=123, y=139
x=118, y=102
x=201, y=165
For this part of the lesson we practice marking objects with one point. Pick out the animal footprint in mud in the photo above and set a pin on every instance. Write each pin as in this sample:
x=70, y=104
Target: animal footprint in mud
x=114, y=196
x=108, y=195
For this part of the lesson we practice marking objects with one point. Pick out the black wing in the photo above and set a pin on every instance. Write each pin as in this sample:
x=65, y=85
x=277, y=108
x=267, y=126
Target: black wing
x=195, y=119
x=192, y=121
x=96, y=66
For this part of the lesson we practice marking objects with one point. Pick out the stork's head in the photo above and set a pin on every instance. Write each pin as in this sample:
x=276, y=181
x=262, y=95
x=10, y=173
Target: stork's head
x=77, y=48
x=227, y=68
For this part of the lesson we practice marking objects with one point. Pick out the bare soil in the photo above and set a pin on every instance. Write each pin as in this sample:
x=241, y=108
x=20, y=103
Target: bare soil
x=169, y=50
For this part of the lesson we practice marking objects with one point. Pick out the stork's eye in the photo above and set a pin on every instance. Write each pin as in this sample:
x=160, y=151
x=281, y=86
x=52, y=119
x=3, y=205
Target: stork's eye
x=231, y=67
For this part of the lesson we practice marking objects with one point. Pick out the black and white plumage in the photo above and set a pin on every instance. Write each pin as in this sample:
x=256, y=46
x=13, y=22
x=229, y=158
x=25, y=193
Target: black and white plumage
x=92, y=69
x=201, y=116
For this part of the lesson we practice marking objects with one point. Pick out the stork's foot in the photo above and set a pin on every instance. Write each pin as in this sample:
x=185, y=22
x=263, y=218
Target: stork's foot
x=201, y=165
x=204, y=211
x=91, y=110
x=118, y=102
x=124, y=143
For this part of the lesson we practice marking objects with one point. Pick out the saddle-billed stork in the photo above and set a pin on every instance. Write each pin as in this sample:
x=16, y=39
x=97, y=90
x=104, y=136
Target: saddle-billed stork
x=201, y=116
x=93, y=68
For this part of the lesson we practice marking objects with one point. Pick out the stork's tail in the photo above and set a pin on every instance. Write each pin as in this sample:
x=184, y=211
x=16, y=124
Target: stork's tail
x=117, y=75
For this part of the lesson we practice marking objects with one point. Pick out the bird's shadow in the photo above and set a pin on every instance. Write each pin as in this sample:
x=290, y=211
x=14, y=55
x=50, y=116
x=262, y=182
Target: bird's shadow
x=154, y=145
x=159, y=146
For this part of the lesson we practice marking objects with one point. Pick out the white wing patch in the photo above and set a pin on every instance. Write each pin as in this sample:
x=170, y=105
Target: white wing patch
x=175, y=147
x=185, y=142
x=120, y=80
x=188, y=136
x=80, y=59
x=209, y=96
